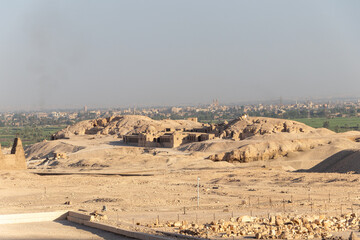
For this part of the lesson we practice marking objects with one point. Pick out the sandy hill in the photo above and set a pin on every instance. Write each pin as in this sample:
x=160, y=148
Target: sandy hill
x=245, y=127
x=95, y=143
x=47, y=149
x=261, y=139
x=122, y=125
x=342, y=162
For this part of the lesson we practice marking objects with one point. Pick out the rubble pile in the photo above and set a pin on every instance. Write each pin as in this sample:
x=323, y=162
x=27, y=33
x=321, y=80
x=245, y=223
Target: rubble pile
x=273, y=227
x=245, y=127
x=122, y=125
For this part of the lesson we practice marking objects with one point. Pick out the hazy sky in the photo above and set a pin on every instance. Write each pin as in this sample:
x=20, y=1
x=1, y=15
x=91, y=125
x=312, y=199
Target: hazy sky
x=70, y=53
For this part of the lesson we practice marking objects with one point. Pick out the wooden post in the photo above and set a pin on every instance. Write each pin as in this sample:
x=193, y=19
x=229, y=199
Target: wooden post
x=184, y=210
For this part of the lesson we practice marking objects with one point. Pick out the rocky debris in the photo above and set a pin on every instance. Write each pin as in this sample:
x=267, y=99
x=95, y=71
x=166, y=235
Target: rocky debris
x=98, y=216
x=268, y=150
x=238, y=129
x=122, y=125
x=242, y=128
x=87, y=163
x=273, y=227
x=103, y=200
x=60, y=156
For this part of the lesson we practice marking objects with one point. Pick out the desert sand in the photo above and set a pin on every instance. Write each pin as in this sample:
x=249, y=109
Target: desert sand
x=307, y=172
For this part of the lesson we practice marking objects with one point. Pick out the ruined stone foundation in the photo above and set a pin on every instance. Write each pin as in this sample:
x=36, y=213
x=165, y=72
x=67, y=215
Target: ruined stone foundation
x=15, y=160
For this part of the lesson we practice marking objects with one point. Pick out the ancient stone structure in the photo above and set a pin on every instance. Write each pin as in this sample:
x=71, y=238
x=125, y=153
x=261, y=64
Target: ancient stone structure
x=16, y=159
x=170, y=138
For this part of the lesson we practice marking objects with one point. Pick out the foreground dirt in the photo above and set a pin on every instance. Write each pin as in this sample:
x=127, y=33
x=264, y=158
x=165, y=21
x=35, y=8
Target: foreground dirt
x=224, y=192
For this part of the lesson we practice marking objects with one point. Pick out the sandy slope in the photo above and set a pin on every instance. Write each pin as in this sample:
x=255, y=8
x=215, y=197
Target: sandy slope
x=343, y=161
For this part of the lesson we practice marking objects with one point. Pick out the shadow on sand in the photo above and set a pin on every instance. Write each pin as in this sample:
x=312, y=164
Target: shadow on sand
x=345, y=161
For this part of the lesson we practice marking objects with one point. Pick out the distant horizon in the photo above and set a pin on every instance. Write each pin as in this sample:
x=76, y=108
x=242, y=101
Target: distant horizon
x=265, y=102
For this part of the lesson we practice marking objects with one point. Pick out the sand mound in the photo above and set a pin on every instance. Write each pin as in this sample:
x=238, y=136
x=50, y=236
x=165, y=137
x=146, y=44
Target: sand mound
x=251, y=126
x=261, y=151
x=342, y=162
x=263, y=139
x=122, y=125
x=47, y=149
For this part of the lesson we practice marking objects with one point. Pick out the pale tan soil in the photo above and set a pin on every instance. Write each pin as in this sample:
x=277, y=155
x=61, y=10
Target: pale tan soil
x=227, y=189
x=223, y=192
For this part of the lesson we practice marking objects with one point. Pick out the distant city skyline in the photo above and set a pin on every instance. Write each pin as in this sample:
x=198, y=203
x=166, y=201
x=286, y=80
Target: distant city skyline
x=274, y=102
x=113, y=53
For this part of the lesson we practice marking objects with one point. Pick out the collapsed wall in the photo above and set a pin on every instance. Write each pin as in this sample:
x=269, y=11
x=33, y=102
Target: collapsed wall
x=16, y=159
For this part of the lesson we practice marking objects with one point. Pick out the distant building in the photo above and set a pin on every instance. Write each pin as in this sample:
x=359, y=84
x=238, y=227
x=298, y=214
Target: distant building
x=215, y=103
x=175, y=109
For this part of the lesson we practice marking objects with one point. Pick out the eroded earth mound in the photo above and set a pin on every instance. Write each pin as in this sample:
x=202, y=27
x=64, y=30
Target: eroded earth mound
x=268, y=150
x=245, y=139
x=122, y=125
x=47, y=149
x=245, y=127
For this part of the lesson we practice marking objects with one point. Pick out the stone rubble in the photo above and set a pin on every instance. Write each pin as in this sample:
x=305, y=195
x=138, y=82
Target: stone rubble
x=273, y=227
x=98, y=216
